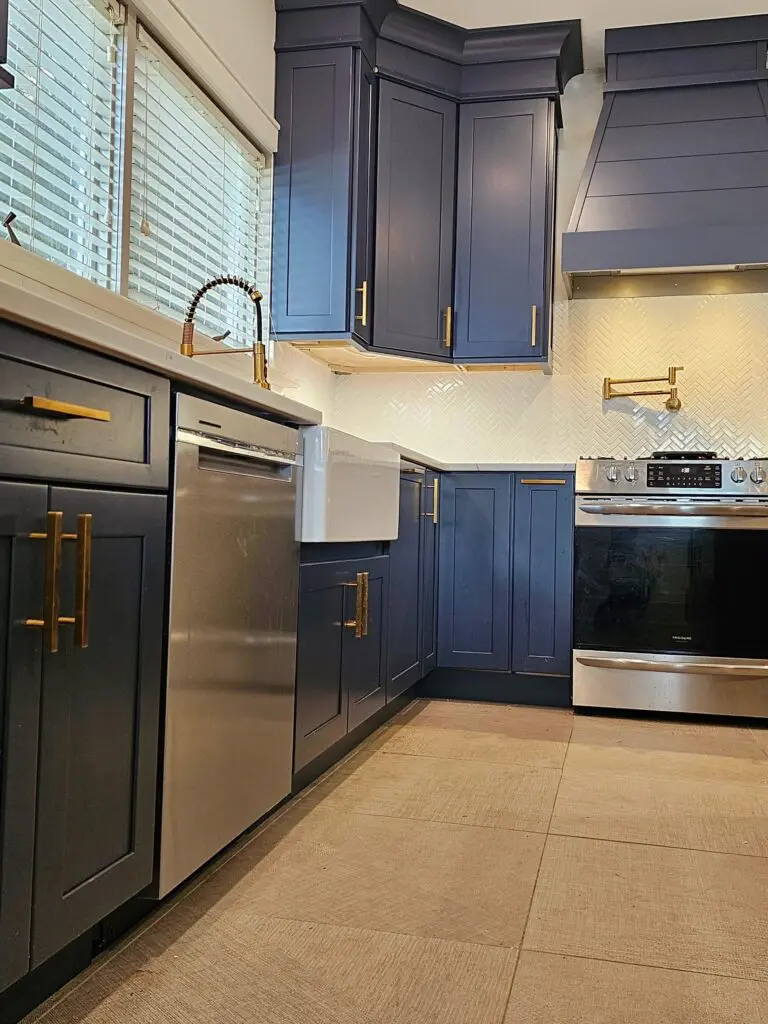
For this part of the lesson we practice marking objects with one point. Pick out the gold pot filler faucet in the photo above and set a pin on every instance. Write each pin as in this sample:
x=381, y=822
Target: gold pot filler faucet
x=257, y=350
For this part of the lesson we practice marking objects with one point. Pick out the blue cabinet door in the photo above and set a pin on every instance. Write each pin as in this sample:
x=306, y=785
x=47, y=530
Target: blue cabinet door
x=543, y=573
x=364, y=658
x=504, y=230
x=322, y=236
x=474, y=571
x=22, y=569
x=430, y=519
x=415, y=200
x=405, y=560
x=321, y=698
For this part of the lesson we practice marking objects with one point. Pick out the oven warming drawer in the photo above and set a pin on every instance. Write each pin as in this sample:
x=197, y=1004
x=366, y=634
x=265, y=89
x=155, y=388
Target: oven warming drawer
x=669, y=682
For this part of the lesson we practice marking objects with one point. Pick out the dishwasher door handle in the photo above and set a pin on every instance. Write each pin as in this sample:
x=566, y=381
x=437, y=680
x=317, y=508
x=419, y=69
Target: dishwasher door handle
x=239, y=451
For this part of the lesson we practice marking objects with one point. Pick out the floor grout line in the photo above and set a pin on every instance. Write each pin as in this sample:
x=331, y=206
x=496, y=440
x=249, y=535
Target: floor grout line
x=530, y=902
x=479, y=760
x=659, y=846
x=640, y=963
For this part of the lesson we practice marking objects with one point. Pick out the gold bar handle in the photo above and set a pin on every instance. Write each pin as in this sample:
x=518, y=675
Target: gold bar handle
x=534, y=325
x=364, y=608
x=448, y=333
x=363, y=316
x=361, y=606
x=84, y=539
x=433, y=515
x=52, y=407
x=51, y=599
x=533, y=482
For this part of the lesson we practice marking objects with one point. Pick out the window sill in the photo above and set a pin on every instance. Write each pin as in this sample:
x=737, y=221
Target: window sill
x=41, y=295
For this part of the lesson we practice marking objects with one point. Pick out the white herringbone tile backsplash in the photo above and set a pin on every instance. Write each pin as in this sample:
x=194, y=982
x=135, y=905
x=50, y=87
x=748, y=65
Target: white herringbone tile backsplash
x=722, y=341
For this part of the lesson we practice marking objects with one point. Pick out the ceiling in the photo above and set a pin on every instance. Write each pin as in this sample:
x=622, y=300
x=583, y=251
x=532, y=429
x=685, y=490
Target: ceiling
x=596, y=15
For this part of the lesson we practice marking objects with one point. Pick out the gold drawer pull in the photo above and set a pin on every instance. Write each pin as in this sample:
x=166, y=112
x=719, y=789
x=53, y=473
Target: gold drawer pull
x=51, y=599
x=534, y=318
x=51, y=620
x=533, y=482
x=84, y=539
x=35, y=403
x=435, y=502
x=360, y=621
x=363, y=315
x=448, y=335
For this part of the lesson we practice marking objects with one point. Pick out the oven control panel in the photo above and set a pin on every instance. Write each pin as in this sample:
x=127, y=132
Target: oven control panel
x=685, y=475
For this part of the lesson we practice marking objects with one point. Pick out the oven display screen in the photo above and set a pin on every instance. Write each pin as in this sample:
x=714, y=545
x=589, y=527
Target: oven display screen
x=685, y=474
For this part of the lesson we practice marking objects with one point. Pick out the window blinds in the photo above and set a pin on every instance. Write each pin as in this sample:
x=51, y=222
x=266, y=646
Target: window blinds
x=60, y=131
x=198, y=205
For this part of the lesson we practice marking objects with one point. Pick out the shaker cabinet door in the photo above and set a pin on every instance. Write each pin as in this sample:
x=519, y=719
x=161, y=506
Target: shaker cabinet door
x=364, y=659
x=100, y=714
x=312, y=187
x=405, y=561
x=415, y=203
x=474, y=571
x=430, y=519
x=543, y=573
x=22, y=571
x=504, y=230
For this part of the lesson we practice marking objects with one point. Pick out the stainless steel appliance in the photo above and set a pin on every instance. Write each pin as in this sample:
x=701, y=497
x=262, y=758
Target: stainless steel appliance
x=232, y=643
x=670, y=597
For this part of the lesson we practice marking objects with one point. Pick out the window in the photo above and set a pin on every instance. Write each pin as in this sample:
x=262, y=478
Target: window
x=197, y=190
x=60, y=134
x=196, y=200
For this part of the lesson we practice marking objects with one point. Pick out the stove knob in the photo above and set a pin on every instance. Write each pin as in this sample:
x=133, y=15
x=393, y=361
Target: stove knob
x=630, y=474
x=739, y=475
x=612, y=474
x=757, y=476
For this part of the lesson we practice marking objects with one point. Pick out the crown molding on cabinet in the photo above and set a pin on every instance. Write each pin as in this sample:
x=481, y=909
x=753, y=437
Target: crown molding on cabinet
x=462, y=64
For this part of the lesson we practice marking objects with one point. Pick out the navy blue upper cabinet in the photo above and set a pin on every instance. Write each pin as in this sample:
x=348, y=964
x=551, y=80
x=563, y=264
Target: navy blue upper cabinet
x=6, y=78
x=504, y=230
x=543, y=573
x=415, y=201
x=474, y=581
x=322, y=237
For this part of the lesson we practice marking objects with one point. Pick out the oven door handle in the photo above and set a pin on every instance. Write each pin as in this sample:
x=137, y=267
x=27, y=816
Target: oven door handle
x=688, y=668
x=605, y=509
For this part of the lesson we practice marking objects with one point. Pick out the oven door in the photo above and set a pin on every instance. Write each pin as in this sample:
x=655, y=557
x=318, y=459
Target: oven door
x=677, y=579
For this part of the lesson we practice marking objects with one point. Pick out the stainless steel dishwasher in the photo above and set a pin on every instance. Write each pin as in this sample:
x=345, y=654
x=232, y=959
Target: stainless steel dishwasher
x=232, y=642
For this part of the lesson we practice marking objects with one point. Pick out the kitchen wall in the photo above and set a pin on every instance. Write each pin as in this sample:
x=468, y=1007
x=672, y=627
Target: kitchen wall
x=722, y=341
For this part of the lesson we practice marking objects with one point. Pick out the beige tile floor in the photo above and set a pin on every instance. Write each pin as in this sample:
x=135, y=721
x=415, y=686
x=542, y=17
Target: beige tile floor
x=477, y=864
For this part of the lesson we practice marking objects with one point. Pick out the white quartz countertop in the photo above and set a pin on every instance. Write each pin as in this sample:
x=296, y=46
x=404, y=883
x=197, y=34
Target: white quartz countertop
x=483, y=467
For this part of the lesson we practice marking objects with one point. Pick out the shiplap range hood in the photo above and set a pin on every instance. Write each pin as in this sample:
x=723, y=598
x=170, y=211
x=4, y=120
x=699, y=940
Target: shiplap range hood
x=674, y=196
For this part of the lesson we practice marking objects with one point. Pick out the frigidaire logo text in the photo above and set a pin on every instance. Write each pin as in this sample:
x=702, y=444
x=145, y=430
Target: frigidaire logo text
x=681, y=637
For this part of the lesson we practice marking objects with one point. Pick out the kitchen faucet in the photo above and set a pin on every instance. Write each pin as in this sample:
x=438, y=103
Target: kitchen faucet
x=258, y=349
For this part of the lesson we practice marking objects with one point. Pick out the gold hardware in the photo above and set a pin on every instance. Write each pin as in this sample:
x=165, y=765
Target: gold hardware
x=534, y=318
x=360, y=621
x=673, y=403
x=363, y=317
x=76, y=412
x=448, y=335
x=435, y=501
x=84, y=537
x=533, y=482
x=51, y=599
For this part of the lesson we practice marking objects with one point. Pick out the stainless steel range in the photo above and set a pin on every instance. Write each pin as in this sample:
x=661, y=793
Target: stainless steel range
x=671, y=584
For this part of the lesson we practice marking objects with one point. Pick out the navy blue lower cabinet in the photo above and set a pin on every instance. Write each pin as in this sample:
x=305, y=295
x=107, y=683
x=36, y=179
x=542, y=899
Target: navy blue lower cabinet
x=341, y=662
x=405, y=561
x=543, y=573
x=99, y=720
x=474, y=586
x=430, y=518
x=22, y=567
x=364, y=658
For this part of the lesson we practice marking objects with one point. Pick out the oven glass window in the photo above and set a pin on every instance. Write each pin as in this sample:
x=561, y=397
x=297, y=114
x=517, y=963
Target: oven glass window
x=673, y=591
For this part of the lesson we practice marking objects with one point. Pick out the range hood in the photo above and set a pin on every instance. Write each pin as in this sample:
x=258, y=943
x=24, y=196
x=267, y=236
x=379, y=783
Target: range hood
x=674, y=196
